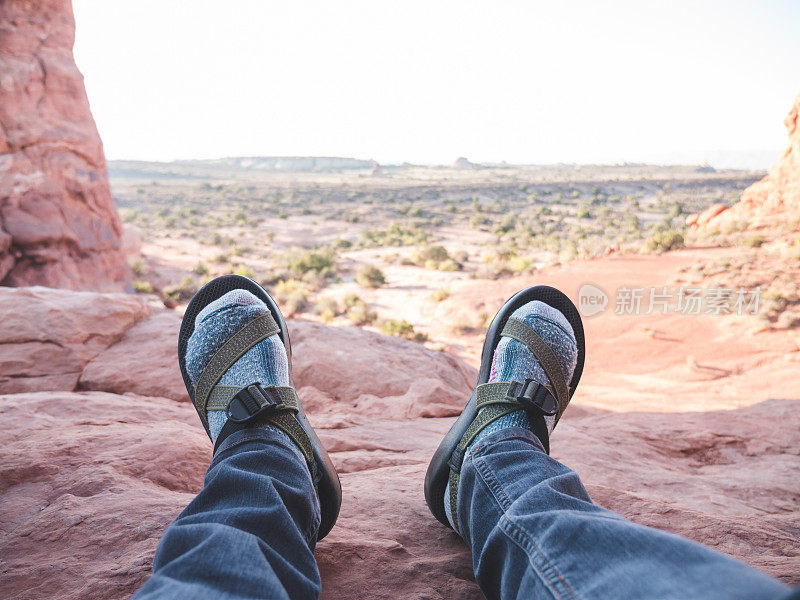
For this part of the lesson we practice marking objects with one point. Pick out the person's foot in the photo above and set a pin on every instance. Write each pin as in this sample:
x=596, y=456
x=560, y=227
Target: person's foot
x=513, y=361
x=265, y=363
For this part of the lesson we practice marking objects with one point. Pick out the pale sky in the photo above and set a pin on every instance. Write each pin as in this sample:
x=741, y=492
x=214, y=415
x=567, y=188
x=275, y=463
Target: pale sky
x=429, y=81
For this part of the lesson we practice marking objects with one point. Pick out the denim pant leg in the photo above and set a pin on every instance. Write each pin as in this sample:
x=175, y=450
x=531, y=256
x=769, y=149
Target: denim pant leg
x=535, y=533
x=249, y=533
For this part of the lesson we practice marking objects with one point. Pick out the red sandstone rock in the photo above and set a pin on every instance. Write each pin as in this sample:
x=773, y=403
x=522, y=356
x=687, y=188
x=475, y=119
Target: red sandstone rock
x=58, y=224
x=775, y=200
x=142, y=362
x=707, y=215
x=47, y=336
x=89, y=480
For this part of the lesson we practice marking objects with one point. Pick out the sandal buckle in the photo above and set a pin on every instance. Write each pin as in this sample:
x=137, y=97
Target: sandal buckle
x=534, y=397
x=251, y=402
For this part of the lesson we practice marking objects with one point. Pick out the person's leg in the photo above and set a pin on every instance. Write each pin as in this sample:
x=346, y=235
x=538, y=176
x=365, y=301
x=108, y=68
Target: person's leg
x=250, y=532
x=535, y=533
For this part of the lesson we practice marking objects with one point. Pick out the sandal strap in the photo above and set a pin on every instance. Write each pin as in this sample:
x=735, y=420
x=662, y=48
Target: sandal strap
x=494, y=401
x=522, y=332
x=276, y=405
x=232, y=350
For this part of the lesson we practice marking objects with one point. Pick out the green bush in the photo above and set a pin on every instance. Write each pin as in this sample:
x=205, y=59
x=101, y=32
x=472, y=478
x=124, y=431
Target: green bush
x=327, y=308
x=292, y=295
x=754, y=241
x=664, y=241
x=138, y=267
x=319, y=261
x=182, y=291
x=244, y=271
x=435, y=257
x=402, y=329
x=359, y=313
x=142, y=287
x=370, y=277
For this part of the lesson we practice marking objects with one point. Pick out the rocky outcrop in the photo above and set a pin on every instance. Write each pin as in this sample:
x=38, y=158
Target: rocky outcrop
x=774, y=201
x=90, y=479
x=58, y=224
x=48, y=336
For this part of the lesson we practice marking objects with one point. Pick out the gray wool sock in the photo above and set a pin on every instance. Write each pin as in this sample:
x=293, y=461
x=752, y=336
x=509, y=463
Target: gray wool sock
x=265, y=363
x=513, y=361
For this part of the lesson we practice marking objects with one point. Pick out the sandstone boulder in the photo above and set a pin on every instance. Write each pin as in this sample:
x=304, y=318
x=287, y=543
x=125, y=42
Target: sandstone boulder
x=58, y=224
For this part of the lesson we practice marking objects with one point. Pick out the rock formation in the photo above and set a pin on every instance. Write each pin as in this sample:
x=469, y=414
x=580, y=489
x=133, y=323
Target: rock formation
x=774, y=201
x=92, y=471
x=463, y=164
x=58, y=224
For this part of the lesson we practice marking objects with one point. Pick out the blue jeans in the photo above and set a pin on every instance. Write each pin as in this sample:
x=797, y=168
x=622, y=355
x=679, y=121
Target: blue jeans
x=533, y=531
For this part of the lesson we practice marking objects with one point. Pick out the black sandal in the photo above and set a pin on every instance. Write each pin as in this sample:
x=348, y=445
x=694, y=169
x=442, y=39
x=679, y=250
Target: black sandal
x=244, y=405
x=502, y=398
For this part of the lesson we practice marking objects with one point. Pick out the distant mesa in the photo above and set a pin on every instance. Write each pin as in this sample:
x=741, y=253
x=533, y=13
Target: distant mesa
x=704, y=167
x=293, y=163
x=463, y=164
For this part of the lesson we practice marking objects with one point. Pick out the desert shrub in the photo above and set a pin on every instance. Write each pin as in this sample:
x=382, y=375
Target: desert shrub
x=441, y=295
x=664, y=241
x=327, y=308
x=435, y=257
x=505, y=225
x=315, y=281
x=754, y=241
x=320, y=261
x=292, y=295
x=402, y=329
x=200, y=270
x=370, y=277
x=477, y=221
x=395, y=235
x=448, y=265
x=341, y=244
x=351, y=299
x=359, y=313
x=518, y=264
x=631, y=223
x=583, y=213
x=244, y=271
x=142, y=287
x=138, y=267
x=221, y=258
x=184, y=290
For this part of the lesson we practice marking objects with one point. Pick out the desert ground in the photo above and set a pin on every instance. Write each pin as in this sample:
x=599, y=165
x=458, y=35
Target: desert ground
x=395, y=248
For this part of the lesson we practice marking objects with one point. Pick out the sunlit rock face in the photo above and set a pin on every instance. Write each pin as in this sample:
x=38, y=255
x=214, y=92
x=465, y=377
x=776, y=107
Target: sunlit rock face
x=58, y=224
